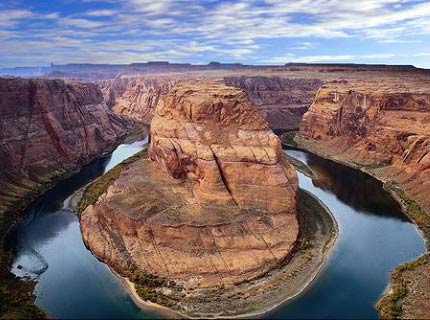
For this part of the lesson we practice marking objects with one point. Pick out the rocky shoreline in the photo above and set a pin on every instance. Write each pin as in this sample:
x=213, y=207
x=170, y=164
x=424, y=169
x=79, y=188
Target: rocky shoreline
x=209, y=222
x=414, y=273
x=290, y=279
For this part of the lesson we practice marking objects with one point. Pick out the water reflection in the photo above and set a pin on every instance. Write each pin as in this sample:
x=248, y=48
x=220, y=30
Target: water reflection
x=71, y=282
x=353, y=187
x=374, y=238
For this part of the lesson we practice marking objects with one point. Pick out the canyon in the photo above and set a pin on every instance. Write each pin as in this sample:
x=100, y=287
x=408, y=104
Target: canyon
x=382, y=129
x=281, y=101
x=213, y=205
x=48, y=130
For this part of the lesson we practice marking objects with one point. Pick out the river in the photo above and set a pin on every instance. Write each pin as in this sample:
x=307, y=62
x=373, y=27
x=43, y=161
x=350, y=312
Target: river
x=374, y=238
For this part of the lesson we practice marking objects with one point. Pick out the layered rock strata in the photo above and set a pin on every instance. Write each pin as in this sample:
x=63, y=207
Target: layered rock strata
x=49, y=128
x=213, y=205
x=136, y=97
x=381, y=125
x=282, y=101
x=385, y=131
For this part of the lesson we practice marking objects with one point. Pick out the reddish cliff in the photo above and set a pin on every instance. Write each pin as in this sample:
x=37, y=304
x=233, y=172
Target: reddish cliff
x=282, y=101
x=136, y=97
x=49, y=128
x=386, y=131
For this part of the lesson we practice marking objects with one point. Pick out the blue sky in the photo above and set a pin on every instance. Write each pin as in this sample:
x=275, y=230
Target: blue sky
x=247, y=31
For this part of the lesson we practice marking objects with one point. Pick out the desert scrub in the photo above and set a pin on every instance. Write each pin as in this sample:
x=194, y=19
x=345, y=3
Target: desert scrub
x=416, y=212
x=93, y=191
x=287, y=139
x=148, y=285
x=390, y=305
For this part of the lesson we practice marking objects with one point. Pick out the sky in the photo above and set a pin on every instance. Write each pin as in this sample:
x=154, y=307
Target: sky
x=37, y=33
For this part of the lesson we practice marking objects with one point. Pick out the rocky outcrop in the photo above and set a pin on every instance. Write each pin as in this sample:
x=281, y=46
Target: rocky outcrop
x=385, y=131
x=282, y=101
x=135, y=97
x=49, y=128
x=213, y=205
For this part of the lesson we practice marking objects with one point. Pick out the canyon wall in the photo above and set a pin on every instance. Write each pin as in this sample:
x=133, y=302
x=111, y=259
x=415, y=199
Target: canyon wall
x=385, y=131
x=282, y=101
x=135, y=97
x=213, y=204
x=49, y=128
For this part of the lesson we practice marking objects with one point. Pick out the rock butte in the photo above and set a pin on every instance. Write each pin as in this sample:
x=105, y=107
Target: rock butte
x=215, y=203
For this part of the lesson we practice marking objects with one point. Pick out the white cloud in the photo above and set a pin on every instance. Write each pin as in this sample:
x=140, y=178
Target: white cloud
x=146, y=29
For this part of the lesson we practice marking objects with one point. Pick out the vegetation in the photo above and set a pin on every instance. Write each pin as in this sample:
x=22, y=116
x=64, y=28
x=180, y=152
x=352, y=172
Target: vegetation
x=100, y=185
x=287, y=139
x=300, y=166
x=390, y=305
x=147, y=285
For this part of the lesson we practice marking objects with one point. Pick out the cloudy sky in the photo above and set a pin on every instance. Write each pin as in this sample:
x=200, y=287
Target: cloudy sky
x=247, y=31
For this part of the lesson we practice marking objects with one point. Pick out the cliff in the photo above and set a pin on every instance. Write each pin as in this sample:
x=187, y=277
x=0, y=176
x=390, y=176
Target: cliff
x=282, y=101
x=383, y=129
x=213, y=205
x=49, y=128
x=135, y=97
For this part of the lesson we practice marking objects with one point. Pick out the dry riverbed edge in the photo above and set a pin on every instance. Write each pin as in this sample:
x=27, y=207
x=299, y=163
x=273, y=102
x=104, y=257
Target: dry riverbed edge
x=406, y=295
x=253, y=297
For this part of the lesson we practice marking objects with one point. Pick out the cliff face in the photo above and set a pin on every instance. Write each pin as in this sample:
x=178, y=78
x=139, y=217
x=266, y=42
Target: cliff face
x=135, y=97
x=215, y=203
x=282, y=101
x=47, y=129
x=386, y=131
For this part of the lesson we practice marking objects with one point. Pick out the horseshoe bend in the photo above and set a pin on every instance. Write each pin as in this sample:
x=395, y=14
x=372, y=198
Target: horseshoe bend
x=208, y=221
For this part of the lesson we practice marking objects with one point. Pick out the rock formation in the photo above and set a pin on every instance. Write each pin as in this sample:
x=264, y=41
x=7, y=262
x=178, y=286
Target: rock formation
x=386, y=131
x=282, y=101
x=214, y=204
x=49, y=128
x=135, y=97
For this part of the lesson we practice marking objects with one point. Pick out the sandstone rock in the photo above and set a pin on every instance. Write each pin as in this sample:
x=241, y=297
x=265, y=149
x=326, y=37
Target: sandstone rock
x=215, y=205
x=135, y=97
x=282, y=101
x=49, y=128
x=387, y=131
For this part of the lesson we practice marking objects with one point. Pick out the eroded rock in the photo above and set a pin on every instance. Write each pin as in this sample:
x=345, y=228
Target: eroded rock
x=385, y=131
x=49, y=128
x=213, y=205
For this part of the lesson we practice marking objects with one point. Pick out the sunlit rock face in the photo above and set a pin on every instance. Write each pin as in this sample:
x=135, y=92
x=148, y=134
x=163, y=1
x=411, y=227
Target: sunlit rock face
x=136, y=97
x=213, y=204
x=49, y=128
x=386, y=130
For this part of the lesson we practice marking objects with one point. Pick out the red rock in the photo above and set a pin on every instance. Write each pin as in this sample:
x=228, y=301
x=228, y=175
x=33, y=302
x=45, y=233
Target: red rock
x=49, y=128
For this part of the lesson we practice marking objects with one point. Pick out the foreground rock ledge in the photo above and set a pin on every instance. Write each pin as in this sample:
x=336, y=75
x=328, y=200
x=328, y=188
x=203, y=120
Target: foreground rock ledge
x=211, y=207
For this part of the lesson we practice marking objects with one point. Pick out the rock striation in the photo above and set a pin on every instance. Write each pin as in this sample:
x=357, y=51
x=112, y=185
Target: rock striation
x=49, y=128
x=386, y=132
x=282, y=101
x=135, y=97
x=212, y=205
